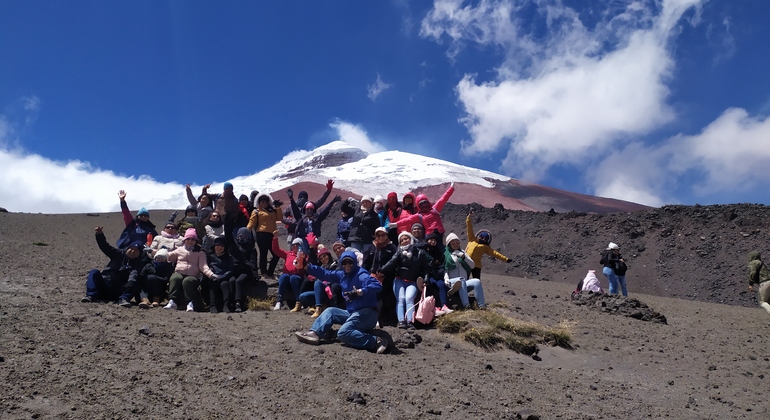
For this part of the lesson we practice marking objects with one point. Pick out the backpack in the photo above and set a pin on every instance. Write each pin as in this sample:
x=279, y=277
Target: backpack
x=426, y=308
x=605, y=258
x=620, y=268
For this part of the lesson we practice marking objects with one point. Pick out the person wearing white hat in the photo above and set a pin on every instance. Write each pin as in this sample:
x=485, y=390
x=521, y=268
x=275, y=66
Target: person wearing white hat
x=614, y=268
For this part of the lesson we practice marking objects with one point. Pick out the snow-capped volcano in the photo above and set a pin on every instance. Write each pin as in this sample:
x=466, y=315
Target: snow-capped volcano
x=360, y=173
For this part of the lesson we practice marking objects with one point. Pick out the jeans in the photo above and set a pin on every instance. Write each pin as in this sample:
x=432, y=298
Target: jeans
x=441, y=292
x=405, y=293
x=318, y=295
x=97, y=286
x=355, y=329
x=469, y=284
x=614, y=279
x=265, y=243
x=287, y=281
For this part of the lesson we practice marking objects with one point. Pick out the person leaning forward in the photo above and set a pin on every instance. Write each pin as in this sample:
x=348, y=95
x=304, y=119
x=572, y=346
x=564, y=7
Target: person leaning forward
x=759, y=273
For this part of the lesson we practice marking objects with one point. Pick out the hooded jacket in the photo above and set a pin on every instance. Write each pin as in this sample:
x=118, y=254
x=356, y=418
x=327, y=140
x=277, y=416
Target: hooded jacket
x=264, y=220
x=431, y=218
x=241, y=248
x=296, y=209
x=591, y=283
x=136, y=230
x=363, y=225
x=409, y=262
x=453, y=261
x=758, y=271
x=477, y=250
x=120, y=269
x=358, y=278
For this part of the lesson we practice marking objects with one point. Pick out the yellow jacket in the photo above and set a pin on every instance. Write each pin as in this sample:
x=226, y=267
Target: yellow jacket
x=477, y=250
x=264, y=221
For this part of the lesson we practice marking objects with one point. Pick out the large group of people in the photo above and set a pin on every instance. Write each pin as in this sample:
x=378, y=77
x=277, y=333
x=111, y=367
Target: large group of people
x=386, y=252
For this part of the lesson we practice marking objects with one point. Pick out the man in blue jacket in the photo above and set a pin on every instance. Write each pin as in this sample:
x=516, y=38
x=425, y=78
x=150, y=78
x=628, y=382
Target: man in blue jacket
x=360, y=315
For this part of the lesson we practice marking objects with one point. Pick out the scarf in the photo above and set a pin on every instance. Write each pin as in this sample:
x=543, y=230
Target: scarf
x=168, y=235
x=449, y=262
x=215, y=224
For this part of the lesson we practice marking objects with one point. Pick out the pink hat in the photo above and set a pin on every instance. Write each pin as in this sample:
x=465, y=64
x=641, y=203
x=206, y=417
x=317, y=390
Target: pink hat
x=190, y=233
x=309, y=205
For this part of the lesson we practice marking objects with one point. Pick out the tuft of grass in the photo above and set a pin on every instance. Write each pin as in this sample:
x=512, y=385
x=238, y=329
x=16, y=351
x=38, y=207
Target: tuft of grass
x=260, y=304
x=492, y=330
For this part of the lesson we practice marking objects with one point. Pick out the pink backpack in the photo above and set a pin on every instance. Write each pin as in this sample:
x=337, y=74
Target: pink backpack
x=426, y=308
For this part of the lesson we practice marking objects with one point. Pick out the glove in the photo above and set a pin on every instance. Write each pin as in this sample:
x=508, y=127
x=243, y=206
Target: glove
x=173, y=215
x=290, y=193
x=312, y=241
x=329, y=184
x=336, y=199
x=277, y=203
x=509, y=260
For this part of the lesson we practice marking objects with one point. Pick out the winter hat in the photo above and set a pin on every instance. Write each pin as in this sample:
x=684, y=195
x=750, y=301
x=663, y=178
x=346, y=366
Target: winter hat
x=243, y=197
x=449, y=238
x=367, y=198
x=309, y=205
x=380, y=229
x=162, y=254
x=264, y=197
x=143, y=212
x=392, y=197
x=338, y=244
x=411, y=238
x=228, y=185
x=297, y=241
x=613, y=245
x=136, y=244
x=379, y=199
x=191, y=208
x=220, y=240
x=418, y=225
x=324, y=250
x=190, y=234
x=484, y=237
x=433, y=235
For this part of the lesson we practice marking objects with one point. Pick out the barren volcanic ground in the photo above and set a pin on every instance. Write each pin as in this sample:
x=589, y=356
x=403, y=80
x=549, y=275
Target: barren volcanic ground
x=60, y=358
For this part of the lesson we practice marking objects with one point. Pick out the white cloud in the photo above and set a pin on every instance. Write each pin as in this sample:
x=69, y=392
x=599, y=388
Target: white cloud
x=30, y=103
x=374, y=90
x=568, y=94
x=355, y=135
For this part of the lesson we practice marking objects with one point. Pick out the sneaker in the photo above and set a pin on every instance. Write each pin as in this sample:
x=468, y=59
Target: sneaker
x=213, y=309
x=438, y=312
x=124, y=303
x=401, y=324
x=308, y=337
x=171, y=304
x=410, y=326
x=446, y=309
x=382, y=345
x=88, y=299
x=277, y=306
x=155, y=304
x=190, y=307
x=455, y=287
x=238, y=307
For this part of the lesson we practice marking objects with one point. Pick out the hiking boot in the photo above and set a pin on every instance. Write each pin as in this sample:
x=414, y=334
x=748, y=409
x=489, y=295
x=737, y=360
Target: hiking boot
x=455, y=287
x=446, y=309
x=226, y=309
x=155, y=304
x=382, y=345
x=88, y=299
x=190, y=307
x=124, y=303
x=145, y=303
x=410, y=326
x=297, y=307
x=401, y=324
x=318, y=311
x=308, y=337
x=238, y=307
x=171, y=304
x=213, y=309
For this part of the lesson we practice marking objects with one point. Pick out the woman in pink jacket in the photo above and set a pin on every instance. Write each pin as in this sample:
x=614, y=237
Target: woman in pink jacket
x=190, y=263
x=428, y=215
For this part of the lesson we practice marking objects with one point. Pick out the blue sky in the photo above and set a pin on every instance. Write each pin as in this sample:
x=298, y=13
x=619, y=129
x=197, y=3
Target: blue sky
x=654, y=102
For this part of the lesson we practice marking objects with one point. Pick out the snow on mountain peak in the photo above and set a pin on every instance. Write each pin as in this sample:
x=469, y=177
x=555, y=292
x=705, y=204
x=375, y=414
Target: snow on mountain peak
x=354, y=170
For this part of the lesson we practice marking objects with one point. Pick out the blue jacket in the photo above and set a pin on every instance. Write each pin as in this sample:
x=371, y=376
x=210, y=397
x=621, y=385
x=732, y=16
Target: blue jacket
x=358, y=278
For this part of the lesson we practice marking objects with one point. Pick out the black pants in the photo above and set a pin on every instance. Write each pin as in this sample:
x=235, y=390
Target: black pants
x=476, y=273
x=265, y=245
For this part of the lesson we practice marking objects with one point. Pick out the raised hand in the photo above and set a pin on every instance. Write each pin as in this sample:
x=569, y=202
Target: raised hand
x=336, y=199
x=188, y=186
x=329, y=184
x=122, y=195
x=277, y=203
x=290, y=193
x=99, y=229
x=312, y=241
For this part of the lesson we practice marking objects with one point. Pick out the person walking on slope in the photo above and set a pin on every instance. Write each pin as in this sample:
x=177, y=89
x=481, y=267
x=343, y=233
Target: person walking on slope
x=759, y=273
x=478, y=246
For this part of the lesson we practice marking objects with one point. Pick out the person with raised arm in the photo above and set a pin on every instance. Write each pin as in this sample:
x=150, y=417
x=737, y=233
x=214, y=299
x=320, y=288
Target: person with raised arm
x=290, y=219
x=138, y=228
x=264, y=221
x=479, y=245
x=429, y=215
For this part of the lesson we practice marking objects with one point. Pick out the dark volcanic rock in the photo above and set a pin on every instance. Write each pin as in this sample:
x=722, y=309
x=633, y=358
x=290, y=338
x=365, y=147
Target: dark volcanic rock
x=618, y=305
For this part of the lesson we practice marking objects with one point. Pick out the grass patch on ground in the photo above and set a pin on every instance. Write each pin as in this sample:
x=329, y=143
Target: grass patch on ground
x=492, y=330
x=261, y=304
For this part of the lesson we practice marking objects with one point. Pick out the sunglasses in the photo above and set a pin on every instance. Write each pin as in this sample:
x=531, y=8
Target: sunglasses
x=347, y=262
x=170, y=227
x=379, y=235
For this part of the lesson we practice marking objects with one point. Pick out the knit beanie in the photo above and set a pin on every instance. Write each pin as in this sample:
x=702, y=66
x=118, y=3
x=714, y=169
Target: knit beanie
x=449, y=238
x=143, y=212
x=162, y=254
x=190, y=233
x=297, y=241
x=228, y=185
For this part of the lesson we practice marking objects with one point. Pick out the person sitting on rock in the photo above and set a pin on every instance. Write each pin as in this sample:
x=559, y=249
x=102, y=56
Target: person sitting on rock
x=759, y=274
x=458, y=267
x=359, y=317
x=323, y=293
x=168, y=239
x=614, y=268
x=214, y=229
x=479, y=245
x=379, y=255
x=293, y=273
x=120, y=279
x=190, y=263
x=436, y=273
x=222, y=289
x=189, y=221
x=410, y=267
x=591, y=283
x=138, y=228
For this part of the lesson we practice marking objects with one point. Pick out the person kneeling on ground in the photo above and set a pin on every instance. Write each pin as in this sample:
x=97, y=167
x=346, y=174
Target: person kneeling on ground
x=760, y=274
x=359, y=317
